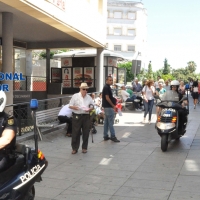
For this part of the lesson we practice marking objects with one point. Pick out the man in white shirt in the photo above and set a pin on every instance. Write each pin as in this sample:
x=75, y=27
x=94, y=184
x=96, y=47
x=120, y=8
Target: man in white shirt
x=126, y=97
x=80, y=104
x=65, y=116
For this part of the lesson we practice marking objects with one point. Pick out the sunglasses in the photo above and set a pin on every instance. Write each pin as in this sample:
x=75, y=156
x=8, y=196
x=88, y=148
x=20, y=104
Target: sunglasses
x=85, y=89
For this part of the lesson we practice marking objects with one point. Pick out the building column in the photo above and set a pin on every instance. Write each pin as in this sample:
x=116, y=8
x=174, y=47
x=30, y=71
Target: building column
x=29, y=69
x=99, y=70
x=7, y=51
x=47, y=69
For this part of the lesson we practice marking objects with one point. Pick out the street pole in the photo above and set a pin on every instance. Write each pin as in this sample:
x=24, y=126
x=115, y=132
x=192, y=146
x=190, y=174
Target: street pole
x=138, y=54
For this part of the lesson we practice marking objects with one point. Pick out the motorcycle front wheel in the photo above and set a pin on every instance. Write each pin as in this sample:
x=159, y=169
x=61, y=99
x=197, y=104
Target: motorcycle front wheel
x=30, y=195
x=164, y=142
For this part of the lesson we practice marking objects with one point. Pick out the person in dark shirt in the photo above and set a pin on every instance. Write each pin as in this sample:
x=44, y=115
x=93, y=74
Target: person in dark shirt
x=8, y=130
x=109, y=105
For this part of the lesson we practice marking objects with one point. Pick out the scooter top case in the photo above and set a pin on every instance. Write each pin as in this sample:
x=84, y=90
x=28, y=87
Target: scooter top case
x=19, y=178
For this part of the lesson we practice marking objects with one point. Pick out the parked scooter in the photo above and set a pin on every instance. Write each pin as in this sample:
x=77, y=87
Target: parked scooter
x=17, y=182
x=172, y=120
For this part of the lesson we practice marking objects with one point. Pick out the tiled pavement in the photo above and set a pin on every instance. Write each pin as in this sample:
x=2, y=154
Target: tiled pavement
x=134, y=169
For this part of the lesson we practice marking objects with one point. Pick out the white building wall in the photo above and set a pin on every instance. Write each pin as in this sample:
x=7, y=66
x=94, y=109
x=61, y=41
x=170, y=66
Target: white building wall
x=87, y=16
x=138, y=24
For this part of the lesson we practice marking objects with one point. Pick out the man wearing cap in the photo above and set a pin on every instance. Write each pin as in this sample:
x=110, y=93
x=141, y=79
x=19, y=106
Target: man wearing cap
x=137, y=87
x=80, y=104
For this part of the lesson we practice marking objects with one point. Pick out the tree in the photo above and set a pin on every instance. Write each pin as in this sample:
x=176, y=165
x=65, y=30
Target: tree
x=150, y=71
x=166, y=69
x=43, y=55
x=128, y=66
x=191, y=66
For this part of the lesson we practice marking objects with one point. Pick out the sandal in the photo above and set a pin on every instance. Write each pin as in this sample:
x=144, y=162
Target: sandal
x=74, y=151
x=84, y=151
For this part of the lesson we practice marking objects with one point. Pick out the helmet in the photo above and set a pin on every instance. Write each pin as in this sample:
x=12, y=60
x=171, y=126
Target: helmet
x=175, y=82
x=2, y=100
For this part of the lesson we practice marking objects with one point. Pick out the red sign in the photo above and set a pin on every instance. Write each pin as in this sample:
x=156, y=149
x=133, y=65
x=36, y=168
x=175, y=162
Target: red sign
x=58, y=3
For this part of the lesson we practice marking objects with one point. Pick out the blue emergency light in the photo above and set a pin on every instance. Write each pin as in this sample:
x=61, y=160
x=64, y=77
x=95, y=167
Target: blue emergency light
x=34, y=104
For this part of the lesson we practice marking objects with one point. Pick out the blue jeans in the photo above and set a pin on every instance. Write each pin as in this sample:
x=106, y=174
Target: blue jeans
x=131, y=99
x=109, y=122
x=148, y=106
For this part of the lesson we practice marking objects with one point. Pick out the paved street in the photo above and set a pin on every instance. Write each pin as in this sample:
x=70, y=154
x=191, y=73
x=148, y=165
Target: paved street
x=133, y=169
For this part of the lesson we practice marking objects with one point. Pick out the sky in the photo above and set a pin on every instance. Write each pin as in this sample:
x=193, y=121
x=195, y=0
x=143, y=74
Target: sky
x=173, y=32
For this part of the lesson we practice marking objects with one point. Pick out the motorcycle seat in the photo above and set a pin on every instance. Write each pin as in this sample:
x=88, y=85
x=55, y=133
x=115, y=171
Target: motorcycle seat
x=15, y=169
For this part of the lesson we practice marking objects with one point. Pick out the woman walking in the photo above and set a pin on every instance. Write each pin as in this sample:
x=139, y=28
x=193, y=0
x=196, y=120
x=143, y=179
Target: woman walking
x=195, y=93
x=160, y=91
x=148, y=96
x=181, y=89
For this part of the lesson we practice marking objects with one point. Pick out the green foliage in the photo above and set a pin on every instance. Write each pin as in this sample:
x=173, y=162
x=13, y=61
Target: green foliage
x=128, y=66
x=191, y=66
x=150, y=71
x=43, y=55
x=166, y=69
x=166, y=77
x=166, y=73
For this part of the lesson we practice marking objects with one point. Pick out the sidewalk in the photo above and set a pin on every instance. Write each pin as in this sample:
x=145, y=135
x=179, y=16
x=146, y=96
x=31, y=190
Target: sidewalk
x=134, y=169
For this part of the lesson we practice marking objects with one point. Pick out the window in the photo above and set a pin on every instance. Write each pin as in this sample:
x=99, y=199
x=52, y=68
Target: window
x=131, y=15
x=131, y=32
x=117, y=31
x=118, y=15
x=117, y=47
x=131, y=48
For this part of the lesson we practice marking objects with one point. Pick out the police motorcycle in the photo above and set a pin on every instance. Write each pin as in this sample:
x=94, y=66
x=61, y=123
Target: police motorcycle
x=172, y=120
x=17, y=182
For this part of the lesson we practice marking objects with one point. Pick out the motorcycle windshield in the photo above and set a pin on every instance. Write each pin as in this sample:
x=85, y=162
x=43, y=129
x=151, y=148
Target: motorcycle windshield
x=170, y=96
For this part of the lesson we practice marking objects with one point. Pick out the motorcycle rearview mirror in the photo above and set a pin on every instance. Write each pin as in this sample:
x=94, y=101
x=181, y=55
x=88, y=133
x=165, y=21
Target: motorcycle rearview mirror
x=157, y=97
x=183, y=99
x=34, y=107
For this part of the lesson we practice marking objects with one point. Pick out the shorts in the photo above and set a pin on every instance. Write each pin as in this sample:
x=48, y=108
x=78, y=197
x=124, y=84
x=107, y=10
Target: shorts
x=195, y=95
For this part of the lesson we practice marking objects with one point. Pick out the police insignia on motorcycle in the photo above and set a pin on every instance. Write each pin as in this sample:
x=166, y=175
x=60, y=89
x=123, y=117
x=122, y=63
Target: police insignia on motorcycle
x=20, y=165
x=172, y=119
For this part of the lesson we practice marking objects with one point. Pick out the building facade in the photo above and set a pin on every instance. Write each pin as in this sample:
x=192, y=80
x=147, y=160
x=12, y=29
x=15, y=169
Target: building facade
x=26, y=25
x=127, y=29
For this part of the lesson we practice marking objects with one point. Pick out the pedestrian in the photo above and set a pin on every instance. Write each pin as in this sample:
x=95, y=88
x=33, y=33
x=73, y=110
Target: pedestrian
x=156, y=85
x=181, y=88
x=160, y=93
x=137, y=87
x=126, y=97
x=191, y=84
x=148, y=97
x=198, y=91
x=195, y=93
x=65, y=116
x=80, y=104
x=109, y=105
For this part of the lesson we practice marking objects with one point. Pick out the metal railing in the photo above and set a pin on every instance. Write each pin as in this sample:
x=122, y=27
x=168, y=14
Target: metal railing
x=31, y=83
x=22, y=112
